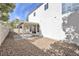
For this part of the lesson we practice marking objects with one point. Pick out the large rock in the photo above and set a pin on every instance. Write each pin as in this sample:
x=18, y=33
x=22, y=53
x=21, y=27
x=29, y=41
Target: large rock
x=73, y=20
x=71, y=27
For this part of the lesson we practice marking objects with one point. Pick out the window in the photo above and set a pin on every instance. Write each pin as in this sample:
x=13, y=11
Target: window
x=46, y=6
x=38, y=28
x=34, y=14
x=69, y=8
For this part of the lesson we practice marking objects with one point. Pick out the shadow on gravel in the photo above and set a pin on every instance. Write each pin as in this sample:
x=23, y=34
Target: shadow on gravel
x=12, y=47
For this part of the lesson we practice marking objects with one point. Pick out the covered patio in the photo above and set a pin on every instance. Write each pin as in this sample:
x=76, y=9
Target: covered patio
x=28, y=27
x=27, y=30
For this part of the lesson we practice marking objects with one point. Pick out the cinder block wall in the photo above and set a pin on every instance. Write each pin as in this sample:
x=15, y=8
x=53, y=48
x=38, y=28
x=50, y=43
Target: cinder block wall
x=3, y=33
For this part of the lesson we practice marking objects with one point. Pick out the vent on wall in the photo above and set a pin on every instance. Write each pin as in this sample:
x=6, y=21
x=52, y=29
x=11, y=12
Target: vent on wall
x=55, y=17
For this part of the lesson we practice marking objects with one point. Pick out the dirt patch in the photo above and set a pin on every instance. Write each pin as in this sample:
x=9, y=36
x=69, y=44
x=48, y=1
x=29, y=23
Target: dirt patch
x=43, y=43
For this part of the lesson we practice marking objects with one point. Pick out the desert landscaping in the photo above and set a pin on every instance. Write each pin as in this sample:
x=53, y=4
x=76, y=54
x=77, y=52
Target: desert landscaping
x=38, y=29
x=36, y=46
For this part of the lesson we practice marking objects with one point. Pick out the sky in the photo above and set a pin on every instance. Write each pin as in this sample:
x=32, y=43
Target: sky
x=22, y=10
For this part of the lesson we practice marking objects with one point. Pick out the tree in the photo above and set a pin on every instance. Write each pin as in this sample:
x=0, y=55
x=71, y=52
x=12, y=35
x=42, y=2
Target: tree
x=14, y=23
x=5, y=8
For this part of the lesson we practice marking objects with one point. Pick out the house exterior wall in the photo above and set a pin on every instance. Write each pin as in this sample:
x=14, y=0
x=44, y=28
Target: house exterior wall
x=50, y=20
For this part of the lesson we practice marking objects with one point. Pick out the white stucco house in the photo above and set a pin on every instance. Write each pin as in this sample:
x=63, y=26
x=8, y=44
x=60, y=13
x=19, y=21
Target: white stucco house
x=49, y=18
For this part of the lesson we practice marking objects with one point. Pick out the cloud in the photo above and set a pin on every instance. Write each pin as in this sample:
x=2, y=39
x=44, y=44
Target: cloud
x=17, y=17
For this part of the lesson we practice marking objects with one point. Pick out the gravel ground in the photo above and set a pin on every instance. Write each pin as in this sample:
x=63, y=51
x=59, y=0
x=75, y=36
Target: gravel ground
x=63, y=49
x=12, y=47
x=24, y=47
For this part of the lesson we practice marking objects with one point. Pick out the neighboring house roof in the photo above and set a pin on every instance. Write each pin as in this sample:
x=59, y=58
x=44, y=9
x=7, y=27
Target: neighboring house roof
x=26, y=23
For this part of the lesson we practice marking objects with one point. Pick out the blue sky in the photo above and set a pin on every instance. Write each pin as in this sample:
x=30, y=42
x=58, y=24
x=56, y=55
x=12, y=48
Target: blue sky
x=22, y=10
